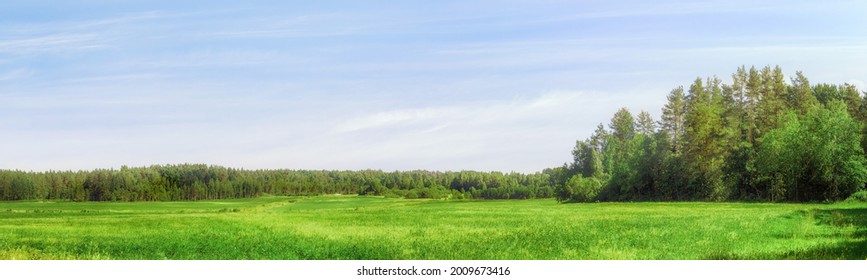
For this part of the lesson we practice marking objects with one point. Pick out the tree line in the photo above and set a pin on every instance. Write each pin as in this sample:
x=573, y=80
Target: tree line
x=759, y=138
x=199, y=181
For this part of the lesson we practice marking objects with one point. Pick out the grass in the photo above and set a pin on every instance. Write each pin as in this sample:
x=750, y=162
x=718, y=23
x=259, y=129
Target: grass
x=351, y=227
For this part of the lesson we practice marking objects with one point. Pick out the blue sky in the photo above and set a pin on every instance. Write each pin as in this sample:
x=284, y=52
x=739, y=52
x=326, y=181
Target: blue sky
x=392, y=85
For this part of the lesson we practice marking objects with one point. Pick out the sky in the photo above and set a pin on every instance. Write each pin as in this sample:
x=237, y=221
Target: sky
x=391, y=85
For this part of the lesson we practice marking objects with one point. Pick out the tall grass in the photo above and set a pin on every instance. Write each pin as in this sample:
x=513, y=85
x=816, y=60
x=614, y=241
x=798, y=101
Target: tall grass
x=351, y=227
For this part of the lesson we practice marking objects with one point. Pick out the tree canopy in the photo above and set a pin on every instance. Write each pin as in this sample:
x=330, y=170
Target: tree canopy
x=757, y=138
x=199, y=181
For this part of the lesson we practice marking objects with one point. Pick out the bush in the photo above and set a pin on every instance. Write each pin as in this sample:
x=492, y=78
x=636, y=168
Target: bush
x=411, y=194
x=580, y=189
x=860, y=196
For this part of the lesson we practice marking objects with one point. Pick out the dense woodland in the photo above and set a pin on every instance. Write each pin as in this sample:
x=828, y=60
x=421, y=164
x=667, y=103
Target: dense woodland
x=198, y=181
x=760, y=138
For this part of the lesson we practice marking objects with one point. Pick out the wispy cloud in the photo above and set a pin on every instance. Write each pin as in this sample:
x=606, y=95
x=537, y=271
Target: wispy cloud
x=78, y=35
x=401, y=117
x=86, y=25
x=116, y=78
x=50, y=43
x=214, y=59
x=497, y=113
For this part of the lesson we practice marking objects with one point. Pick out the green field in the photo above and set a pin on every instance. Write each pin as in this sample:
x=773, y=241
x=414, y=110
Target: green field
x=351, y=227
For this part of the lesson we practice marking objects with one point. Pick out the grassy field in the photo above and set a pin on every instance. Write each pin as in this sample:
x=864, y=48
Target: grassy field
x=350, y=227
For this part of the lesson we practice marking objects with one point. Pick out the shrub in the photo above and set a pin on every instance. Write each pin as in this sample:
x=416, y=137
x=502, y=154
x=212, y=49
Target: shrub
x=580, y=189
x=860, y=196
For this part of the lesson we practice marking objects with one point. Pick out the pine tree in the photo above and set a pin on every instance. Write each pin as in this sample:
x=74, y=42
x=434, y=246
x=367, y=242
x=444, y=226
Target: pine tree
x=751, y=105
x=772, y=99
x=645, y=124
x=801, y=98
x=703, y=150
x=673, y=118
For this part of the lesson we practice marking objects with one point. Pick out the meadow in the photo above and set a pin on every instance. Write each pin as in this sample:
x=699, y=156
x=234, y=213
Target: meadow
x=361, y=227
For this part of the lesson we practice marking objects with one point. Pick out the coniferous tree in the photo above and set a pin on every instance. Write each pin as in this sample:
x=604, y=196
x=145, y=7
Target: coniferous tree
x=673, y=118
x=703, y=150
x=644, y=124
x=801, y=97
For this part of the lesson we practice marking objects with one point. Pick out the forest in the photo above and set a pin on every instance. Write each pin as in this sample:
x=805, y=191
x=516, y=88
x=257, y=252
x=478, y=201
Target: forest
x=760, y=138
x=199, y=181
x=756, y=139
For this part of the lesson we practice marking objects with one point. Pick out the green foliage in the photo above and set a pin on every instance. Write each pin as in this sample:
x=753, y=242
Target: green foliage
x=197, y=181
x=587, y=160
x=772, y=102
x=622, y=126
x=674, y=179
x=579, y=189
x=704, y=144
x=816, y=157
x=673, y=118
x=859, y=196
x=756, y=139
x=645, y=124
x=16, y=185
x=826, y=93
x=801, y=98
x=620, y=155
x=778, y=159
